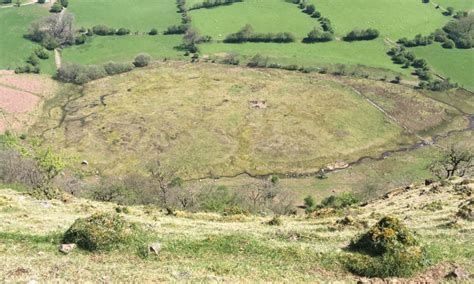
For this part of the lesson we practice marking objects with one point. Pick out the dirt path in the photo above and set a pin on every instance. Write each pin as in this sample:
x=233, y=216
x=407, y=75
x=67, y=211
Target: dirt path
x=57, y=58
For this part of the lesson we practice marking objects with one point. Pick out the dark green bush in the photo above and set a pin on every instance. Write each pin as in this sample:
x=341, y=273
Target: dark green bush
x=339, y=201
x=142, y=60
x=122, y=31
x=41, y=53
x=153, y=32
x=81, y=39
x=275, y=221
x=316, y=35
x=56, y=8
x=101, y=231
x=367, y=34
x=64, y=3
x=113, y=68
x=103, y=30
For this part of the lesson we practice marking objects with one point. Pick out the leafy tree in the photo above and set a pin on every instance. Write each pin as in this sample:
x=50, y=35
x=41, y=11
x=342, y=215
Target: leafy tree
x=454, y=162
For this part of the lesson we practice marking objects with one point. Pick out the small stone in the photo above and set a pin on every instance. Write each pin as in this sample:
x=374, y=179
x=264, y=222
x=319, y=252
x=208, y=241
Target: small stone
x=155, y=248
x=84, y=163
x=459, y=273
x=32, y=281
x=66, y=248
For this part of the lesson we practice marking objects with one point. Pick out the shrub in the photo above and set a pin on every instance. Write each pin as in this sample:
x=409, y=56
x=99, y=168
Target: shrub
x=340, y=201
x=316, y=35
x=388, y=249
x=448, y=44
x=79, y=74
x=33, y=60
x=101, y=231
x=46, y=191
x=247, y=34
x=39, y=1
x=102, y=30
x=176, y=29
x=367, y=34
x=258, y=61
x=449, y=11
x=153, y=32
x=56, y=8
x=64, y=3
x=41, y=53
x=122, y=31
x=113, y=68
x=142, y=60
x=81, y=39
x=466, y=210
x=309, y=203
x=231, y=59
x=275, y=221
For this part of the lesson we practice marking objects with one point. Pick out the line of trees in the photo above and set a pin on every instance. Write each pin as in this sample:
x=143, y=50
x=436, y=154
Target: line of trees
x=357, y=34
x=247, y=34
x=103, y=30
x=311, y=10
x=80, y=74
x=213, y=3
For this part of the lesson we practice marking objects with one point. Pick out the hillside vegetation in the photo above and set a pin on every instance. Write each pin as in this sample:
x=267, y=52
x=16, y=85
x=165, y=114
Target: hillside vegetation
x=211, y=247
x=238, y=120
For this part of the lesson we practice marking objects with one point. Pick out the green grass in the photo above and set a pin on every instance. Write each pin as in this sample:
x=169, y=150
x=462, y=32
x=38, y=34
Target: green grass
x=14, y=22
x=102, y=49
x=458, y=5
x=264, y=16
x=306, y=125
x=371, y=53
x=393, y=18
x=457, y=64
x=135, y=15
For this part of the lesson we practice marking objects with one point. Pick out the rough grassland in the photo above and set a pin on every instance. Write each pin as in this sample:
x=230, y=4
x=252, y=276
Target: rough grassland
x=307, y=122
x=393, y=18
x=264, y=16
x=209, y=247
x=136, y=15
x=14, y=22
x=457, y=64
x=102, y=49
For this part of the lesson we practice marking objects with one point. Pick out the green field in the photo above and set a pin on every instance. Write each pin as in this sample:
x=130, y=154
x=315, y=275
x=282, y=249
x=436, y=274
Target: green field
x=393, y=18
x=457, y=64
x=136, y=15
x=370, y=53
x=14, y=22
x=458, y=5
x=264, y=16
x=102, y=49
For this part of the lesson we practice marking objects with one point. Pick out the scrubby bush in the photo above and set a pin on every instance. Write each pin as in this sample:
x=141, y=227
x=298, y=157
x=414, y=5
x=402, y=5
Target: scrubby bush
x=388, y=249
x=153, y=32
x=102, y=30
x=56, y=8
x=64, y=3
x=46, y=191
x=275, y=221
x=419, y=40
x=326, y=24
x=367, y=34
x=316, y=35
x=33, y=60
x=81, y=39
x=79, y=74
x=101, y=231
x=41, y=53
x=176, y=29
x=113, y=68
x=247, y=34
x=142, y=60
x=122, y=31
x=339, y=201
x=258, y=61
x=231, y=59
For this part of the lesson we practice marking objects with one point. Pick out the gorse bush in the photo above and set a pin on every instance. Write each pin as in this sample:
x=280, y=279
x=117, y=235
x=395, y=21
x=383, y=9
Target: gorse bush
x=101, y=231
x=113, y=68
x=388, y=249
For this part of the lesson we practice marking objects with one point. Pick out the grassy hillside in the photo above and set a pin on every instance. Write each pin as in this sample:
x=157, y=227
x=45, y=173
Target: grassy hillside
x=456, y=64
x=394, y=19
x=210, y=247
x=14, y=22
x=135, y=15
x=305, y=122
x=103, y=49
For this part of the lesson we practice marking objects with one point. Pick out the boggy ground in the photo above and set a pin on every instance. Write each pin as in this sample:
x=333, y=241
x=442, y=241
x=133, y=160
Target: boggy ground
x=211, y=247
x=207, y=120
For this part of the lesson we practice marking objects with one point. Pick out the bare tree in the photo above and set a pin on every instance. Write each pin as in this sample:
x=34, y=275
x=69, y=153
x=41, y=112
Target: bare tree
x=16, y=169
x=187, y=197
x=59, y=27
x=454, y=162
x=162, y=179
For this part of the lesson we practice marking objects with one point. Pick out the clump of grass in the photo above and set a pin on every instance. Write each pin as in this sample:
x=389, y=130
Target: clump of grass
x=101, y=231
x=466, y=210
x=275, y=221
x=46, y=191
x=122, y=209
x=388, y=249
x=433, y=206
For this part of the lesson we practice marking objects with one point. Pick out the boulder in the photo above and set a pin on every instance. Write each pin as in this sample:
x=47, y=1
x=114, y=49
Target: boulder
x=154, y=248
x=66, y=248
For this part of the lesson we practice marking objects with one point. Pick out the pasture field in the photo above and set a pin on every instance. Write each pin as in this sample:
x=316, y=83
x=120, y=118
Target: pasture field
x=371, y=53
x=103, y=49
x=239, y=120
x=457, y=64
x=14, y=22
x=136, y=15
x=458, y=5
x=393, y=18
x=264, y=16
